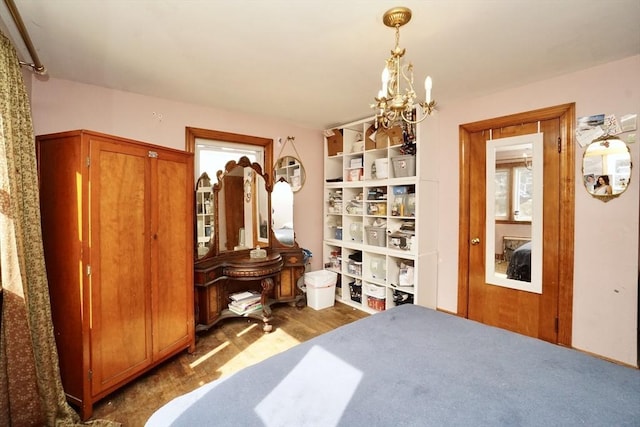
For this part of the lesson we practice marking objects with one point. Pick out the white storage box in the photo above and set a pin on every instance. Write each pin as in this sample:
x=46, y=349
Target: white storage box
x=382, y=168
x=321, y=288
x=374, y=290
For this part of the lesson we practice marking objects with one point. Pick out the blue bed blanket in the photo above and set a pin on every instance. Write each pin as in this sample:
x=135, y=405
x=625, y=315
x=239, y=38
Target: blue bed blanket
x=412, y=366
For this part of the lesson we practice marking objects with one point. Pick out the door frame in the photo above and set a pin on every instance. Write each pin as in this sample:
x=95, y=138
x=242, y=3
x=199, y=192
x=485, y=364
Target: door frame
x=565, y=113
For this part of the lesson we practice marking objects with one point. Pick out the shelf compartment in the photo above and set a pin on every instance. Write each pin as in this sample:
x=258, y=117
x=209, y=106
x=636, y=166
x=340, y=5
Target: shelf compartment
x=401, y=274
x=375, y=267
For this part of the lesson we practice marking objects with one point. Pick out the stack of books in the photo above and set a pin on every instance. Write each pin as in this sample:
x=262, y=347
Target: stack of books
x=245, y=302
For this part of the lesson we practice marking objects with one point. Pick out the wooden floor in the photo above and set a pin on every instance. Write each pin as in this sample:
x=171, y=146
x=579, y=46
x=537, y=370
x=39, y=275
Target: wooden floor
x=226, y=348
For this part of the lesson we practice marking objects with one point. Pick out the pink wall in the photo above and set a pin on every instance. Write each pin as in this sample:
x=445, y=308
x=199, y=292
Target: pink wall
x=606, y=235
x=60, y=105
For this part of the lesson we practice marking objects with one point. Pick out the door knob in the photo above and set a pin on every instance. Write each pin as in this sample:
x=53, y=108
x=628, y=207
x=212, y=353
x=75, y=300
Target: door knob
x=475, y=241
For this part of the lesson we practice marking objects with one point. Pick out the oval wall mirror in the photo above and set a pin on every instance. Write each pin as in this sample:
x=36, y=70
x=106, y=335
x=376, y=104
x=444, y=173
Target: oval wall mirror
x=290, y=169
x=606, y=168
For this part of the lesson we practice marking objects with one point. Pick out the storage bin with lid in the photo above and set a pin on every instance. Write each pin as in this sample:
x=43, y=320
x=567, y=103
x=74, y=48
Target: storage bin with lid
x=374, y=290
x=321, y=288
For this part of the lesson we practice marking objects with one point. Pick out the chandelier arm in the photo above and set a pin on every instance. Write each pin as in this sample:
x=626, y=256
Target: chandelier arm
x=412, y=122
x=408, y=69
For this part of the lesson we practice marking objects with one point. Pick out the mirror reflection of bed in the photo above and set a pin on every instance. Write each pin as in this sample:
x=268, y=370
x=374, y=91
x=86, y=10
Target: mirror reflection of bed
x=515, y=261
x=519, y=267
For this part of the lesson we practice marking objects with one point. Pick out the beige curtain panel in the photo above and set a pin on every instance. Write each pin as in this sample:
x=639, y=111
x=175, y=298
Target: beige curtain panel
x=31, y=391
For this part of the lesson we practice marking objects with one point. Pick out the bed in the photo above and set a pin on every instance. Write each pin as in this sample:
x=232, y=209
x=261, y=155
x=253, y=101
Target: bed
x=285, y=235
x=412, y=366
x=519, y=267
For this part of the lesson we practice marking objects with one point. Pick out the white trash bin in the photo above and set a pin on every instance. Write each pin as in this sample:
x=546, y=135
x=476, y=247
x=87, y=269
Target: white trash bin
x=321, y=288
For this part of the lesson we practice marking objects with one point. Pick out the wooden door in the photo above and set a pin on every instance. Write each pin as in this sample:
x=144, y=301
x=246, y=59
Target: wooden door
x=172, y=252
x=119, y=235
x=546, y=315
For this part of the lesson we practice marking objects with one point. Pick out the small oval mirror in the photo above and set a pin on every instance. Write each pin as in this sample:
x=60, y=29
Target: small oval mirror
x=606, y=168
x=290, y=169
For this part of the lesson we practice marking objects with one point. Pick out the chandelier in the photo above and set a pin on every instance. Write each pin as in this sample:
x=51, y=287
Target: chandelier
x=394, y=104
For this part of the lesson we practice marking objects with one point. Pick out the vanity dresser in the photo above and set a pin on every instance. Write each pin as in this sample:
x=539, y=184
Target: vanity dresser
x=228, y=261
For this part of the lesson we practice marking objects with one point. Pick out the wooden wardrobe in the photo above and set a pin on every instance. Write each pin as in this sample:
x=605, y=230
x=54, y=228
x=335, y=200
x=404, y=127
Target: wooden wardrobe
x=117, y=224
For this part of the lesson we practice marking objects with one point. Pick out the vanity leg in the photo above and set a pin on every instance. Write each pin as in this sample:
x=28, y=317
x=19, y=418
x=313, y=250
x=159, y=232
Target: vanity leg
x=267, y=286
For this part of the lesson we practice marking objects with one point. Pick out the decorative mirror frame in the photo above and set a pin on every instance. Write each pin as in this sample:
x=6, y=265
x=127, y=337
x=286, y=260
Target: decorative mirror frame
x=192, y=133
x=589, y=172
x=296, y=180
x=535, y=143
x=244, y=163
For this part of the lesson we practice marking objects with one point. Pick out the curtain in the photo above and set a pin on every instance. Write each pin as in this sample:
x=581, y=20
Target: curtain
x=31, y=391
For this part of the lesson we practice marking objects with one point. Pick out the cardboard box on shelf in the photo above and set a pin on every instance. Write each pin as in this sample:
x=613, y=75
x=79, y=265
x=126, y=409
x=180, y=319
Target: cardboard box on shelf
x=334, y=142
x=369, y=142
x=387, y=137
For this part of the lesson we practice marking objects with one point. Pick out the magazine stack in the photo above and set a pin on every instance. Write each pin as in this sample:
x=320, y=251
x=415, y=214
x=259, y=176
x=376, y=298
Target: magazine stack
x=245, y=302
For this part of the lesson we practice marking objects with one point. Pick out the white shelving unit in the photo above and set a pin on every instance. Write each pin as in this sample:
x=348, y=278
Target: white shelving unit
x=380, y=228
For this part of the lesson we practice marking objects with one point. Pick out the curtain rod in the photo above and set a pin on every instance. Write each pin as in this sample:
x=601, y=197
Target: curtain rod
x=17, y=19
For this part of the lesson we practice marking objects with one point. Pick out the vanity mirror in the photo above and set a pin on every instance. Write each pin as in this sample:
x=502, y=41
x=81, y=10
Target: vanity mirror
x=282, y=202
x=606, y=167
x=213, y=150
x=242, y=207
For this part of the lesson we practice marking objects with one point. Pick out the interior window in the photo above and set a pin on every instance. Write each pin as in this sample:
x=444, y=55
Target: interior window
x=502, y=194
x=212, y=156
x=514, y=185
x=522, y=194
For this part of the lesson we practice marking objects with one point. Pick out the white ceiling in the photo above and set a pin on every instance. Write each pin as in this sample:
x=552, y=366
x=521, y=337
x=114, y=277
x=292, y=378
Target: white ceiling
x=317, y=63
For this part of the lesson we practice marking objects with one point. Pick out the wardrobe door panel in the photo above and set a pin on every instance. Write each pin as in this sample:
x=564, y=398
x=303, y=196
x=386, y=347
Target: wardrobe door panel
x=121, y=312
x=172, y=237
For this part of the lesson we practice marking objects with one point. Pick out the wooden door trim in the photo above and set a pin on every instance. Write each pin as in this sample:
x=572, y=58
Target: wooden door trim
x=566, y=115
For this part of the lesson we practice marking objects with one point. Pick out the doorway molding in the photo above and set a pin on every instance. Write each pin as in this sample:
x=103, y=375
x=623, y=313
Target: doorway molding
x=565, y=113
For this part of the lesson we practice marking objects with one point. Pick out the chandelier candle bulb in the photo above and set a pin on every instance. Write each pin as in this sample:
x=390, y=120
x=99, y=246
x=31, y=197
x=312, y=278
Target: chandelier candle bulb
x=427, y=85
